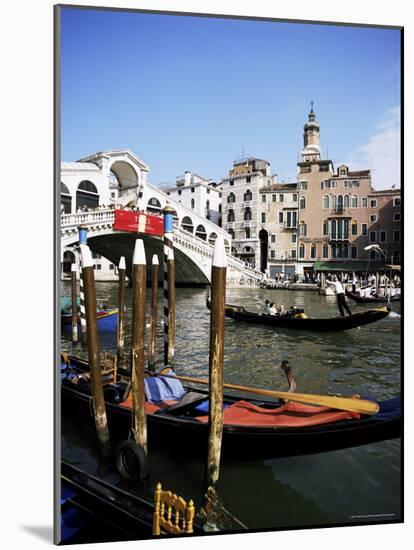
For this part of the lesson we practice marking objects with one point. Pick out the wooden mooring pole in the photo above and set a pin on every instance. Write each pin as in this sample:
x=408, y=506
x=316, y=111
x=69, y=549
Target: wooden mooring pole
x=121, y=311
x=139, y=277
x=74, y=305
x=216, y=360
x=154, y=312
x=83, y=238
x=98, y=401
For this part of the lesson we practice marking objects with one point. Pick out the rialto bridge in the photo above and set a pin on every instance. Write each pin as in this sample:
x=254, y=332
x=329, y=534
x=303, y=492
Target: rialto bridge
x=93, y=187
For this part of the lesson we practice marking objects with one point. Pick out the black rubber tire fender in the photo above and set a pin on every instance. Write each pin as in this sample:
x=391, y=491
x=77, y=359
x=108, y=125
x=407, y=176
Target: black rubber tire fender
x=131, y=461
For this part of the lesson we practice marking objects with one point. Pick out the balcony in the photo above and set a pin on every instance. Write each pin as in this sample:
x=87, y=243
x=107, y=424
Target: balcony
x=339, y=236
x=230, y=225
x=339, y=211
x=230, y=206
x=247, y=204
x=290, y=226
x=247, y=223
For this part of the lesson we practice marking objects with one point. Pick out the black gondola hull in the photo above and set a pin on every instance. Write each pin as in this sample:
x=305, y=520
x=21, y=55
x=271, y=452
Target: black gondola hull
x=188, y=436
x=371, y=299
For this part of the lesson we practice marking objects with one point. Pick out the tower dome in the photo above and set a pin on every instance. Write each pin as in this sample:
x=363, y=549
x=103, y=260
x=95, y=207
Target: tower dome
x=311, y=138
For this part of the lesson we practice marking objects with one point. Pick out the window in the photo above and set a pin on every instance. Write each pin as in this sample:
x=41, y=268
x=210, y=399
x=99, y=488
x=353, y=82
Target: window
x=272, y=254
x=342, y=172
x=248, y=196
x=281, y=198
x=304, y=169
x=263, y=217
x=192, y=203
x=373, y=203
x=192, y=190
x=272, y=238
x=111, y=267
x=383, y=236
x=313, y=251
x=372, y=236
x=354, y=201
x=397, y=217
x=293, y=253
x=355, y=183
x=347, y=183
x=333, y=202
x=247, y=214
x=354, y=252
x=207, y=205
x=372, y=255
x=325, y=201
x=325, y=228
x=280, y=217
x=294, y=237
x=208, y=190
x=354, y=227
x=295, y=197
x=302, y=203
x=373, y=218
x=303, y=185
x=340, y=205
x=302, y=229
x=333, y=229
x=248, y=179
x=179, y=192
x=324, y=168
x=291, y=218
x=325, y=251
x=333, y=251
x=273, y=198
x=345, y=250
x=364, y=229
x=231, y=232
x=396, y=236
x=230, y=216
x=364, y=202
x=302, y=251
x=334, y=183
x=247, y=232
x=397, y=201
x=263, y=198
x=231, y=198
x=231, y=182
x=346, y=201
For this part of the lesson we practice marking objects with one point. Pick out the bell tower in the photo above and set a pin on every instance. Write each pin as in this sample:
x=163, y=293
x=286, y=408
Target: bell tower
x=311, y=138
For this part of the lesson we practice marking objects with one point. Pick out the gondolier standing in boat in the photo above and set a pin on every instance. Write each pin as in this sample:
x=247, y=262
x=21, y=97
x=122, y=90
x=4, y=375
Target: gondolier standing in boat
x=338, y=287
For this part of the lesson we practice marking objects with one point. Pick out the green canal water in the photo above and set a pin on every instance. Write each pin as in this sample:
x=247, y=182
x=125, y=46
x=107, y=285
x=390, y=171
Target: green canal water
x=361, y=484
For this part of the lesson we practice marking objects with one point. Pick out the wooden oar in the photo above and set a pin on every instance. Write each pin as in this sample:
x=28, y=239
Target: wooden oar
x=342, y=403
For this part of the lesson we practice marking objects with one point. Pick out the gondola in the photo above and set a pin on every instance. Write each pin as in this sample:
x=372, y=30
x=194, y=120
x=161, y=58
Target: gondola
x=296, y=319
x=371, y=299
x=253, y=428
x=107, y=320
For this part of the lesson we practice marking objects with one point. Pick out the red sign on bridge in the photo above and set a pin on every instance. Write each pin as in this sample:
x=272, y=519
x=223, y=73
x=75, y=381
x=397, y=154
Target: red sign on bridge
x=139, y=222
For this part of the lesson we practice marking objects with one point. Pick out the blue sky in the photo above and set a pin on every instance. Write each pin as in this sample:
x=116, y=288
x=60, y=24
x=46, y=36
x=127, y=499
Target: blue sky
x=191, y=93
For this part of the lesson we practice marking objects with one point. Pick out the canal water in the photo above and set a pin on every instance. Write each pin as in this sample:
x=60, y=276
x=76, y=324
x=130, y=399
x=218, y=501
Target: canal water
x=361, y=484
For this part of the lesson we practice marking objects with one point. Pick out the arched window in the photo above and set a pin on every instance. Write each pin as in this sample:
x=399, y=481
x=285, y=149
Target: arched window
x=201, y=232
x=154, y=205
x=340, y=204
x=65, y=199
x=313, y=251
x=345, y=250
x=212, y=237
x=247, y=232
x=302, y=251
x=325, y=201
x=231, y=198
x=187, y=224
x=325, y=228
x=325, y=251
x=354, y=201
x=333, y=251
x=354, y=227
x=333, y=202
x=230, y=216
x=248, y=195
x=302, y=228
x=247, y=216
x=346, y=201
x=87, y=195
x=333, y=229
x=302, y=203
x=346, y=229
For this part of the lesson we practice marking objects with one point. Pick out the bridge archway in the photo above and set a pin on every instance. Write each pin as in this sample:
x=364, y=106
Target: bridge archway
x=154, y=205
x=126, y=175
x=212, y=238
x=201, y=232
x=187, y=224
x=87, y=195
x=65, y=198
x=68, y=259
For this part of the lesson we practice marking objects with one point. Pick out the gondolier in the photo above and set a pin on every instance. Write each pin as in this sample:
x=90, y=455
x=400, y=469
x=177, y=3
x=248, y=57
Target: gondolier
x=338, y=287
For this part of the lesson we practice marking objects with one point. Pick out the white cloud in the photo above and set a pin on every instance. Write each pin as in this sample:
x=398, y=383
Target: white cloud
x=382, y=152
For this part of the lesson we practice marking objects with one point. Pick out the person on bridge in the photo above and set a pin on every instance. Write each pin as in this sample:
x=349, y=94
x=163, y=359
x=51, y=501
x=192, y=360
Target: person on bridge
x=338, y=287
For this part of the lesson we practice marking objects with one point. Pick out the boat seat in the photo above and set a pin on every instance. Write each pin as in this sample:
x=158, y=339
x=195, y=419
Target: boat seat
x=172, y=514
x=186, y=403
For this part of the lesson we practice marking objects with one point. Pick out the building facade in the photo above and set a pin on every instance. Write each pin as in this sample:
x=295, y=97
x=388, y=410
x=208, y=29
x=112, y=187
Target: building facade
x=242, y=218
x=198, y=194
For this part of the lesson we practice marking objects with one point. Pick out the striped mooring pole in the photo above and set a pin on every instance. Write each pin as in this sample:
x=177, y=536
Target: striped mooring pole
x=83, y=238
x=121, y=311
x=154, y=311
x=74, y=305
x=169, y=285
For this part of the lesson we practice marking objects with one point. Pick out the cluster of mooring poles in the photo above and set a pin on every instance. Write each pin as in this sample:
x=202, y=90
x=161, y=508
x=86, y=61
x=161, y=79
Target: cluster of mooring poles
x=131, y=455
